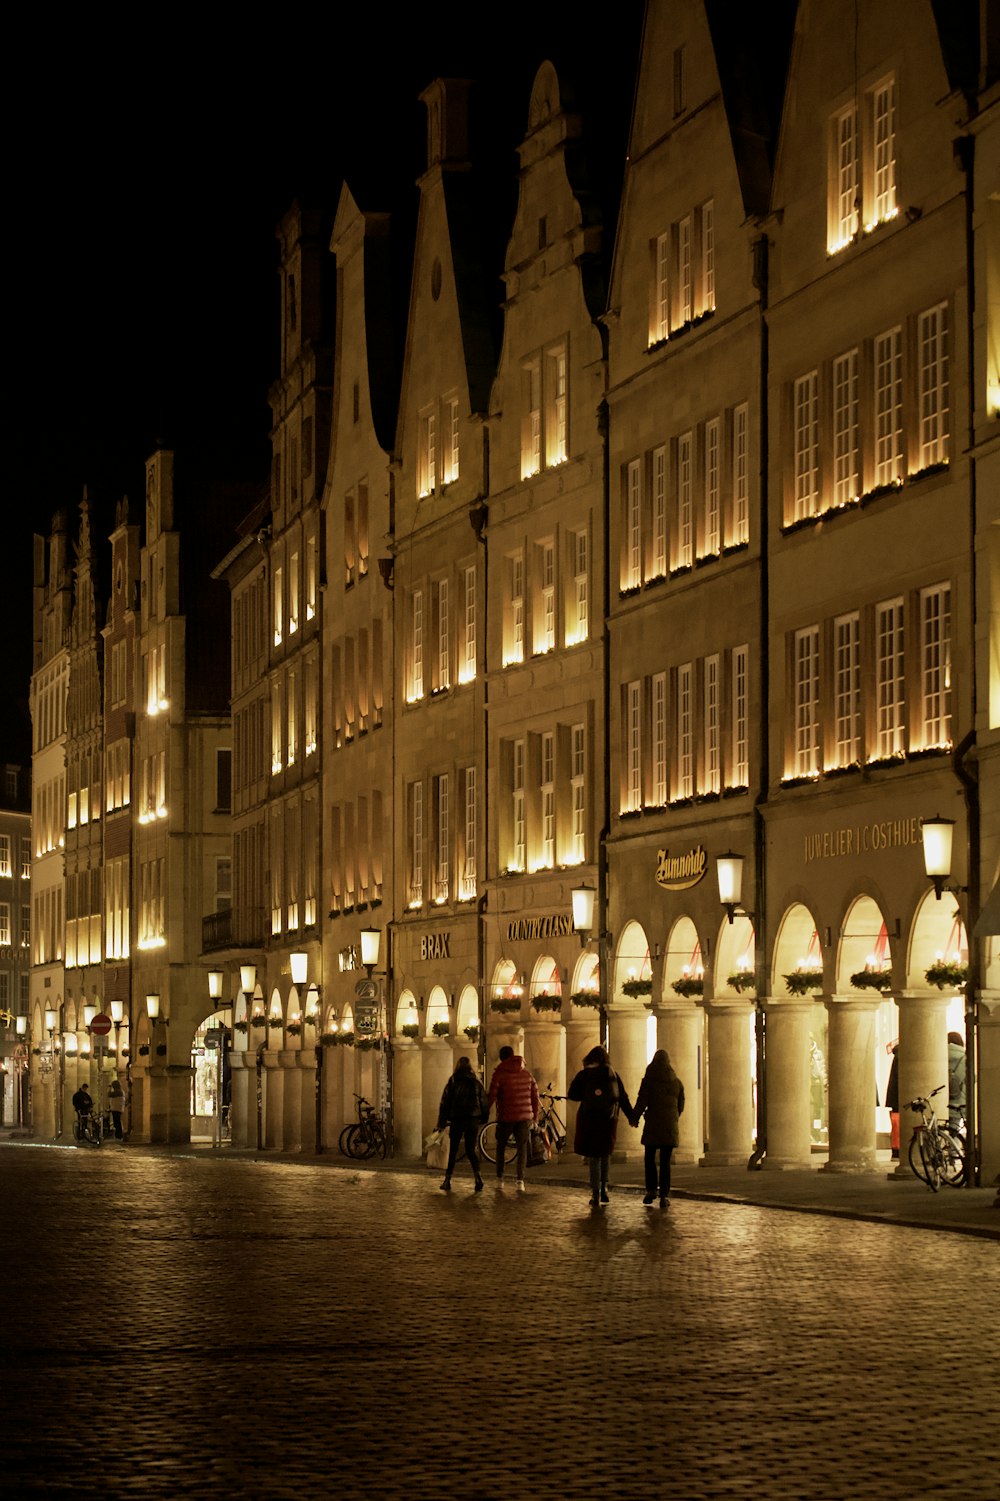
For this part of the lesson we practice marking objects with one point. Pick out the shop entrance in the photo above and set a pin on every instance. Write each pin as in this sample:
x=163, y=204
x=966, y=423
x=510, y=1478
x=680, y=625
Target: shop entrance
x=211, y=1078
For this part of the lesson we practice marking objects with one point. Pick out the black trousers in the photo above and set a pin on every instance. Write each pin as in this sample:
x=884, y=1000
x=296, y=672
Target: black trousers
x=467, y=1131
x=663, y=1188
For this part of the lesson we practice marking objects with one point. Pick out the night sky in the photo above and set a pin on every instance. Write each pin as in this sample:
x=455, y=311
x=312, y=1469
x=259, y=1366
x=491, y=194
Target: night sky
x=145, y=182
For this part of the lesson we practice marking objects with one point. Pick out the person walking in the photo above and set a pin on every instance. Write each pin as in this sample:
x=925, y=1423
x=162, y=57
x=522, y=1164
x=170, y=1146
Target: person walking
x=602, y=1097
x=956, y=1078
x=892, y=1103
x=661, y=1101
x=515, y=1094
x=463, y=1109
x=116, y=1104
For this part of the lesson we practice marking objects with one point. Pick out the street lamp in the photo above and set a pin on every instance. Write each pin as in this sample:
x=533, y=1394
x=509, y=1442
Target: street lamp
x=51, y=1022
x=583, y=912
x=153, y=1007
x=117, y=1012
x=937, y=835
x=584, y=899
x=371, y=941
x=215, y=981
x=729, y=873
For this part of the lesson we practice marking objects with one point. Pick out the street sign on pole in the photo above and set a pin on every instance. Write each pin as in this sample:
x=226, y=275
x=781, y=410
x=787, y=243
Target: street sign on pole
x=101, y=1025
x=366, y=990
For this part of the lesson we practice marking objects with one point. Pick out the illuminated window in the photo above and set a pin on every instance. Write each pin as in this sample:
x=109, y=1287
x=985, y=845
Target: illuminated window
x=713, y=769
x=277, y=726
x=633, y=747
x=658, y=738
x=293, y=593
x=467, y=884
x=935, y=664
x=741, y=476
x=520, y=840
x=862, y=176
x=25, y=855
x=442, y=886
x=932, y=335
x=310, y=708
x=545, y=406
x=427, y=452
x=310, y=577
x=882, y=104
x=661, y=298
x=468, y=669
x=685, y=737
x=844, y=196
x=279, y=607
x=415, y=852
x=578, y=611
x=685, y=519
x=713, y=488
x=741, y=755
x=806, y=701
x=556, y=416
x=531, y=436
x=450, y=413
x=578, y=793
x=708, y=257
x=685, y=283
x=633, y=525
x=545, y=626
x=292, y=740
x=547, y=785
x=514, y=621
x=659, y=558
x=846, y=486
x=443, y=635
x=416, y=646
x=362, y=528
x=847, y=689
x=890, y=681
x=888, y=396
x=5, y=869
x=806, y=419
x=5, y=923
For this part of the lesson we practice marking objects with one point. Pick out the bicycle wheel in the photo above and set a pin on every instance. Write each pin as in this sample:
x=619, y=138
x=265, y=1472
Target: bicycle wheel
x=379, y=1141
x=359, y=1142
x=924, y=1160
x=342, y=1139
x=952, y=1144
x=488, y=1144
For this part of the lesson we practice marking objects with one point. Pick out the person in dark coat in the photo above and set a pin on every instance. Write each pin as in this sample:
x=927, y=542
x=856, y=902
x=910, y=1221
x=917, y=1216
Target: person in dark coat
x=660, y=1100
x=892, y=1103
x=602, y=1096
x=463, y=1108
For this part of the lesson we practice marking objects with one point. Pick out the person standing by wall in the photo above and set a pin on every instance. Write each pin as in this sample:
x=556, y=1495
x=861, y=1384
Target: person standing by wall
x=661, y=1100
x=515, y=1094
x=956, y=1078
x=463, y=1107
x=116, y=1105
x=602, y=1096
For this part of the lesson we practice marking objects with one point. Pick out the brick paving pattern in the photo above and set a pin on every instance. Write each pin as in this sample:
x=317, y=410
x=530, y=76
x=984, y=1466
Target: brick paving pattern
x=205, y=1327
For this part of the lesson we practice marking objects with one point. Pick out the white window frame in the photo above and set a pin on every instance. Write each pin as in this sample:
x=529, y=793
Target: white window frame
x=713, y=757
x=846, y=477
x=442, y=888
x=806, y=702
x=658, y=740
x=806, y=435
x=547, y=844
x=659, y=557
x=741, y=473
x=890, y=672
x=578, y=793
x=633, y=524
x=935, y=665
x=469, y=663
x=740, y=716
x=888, y=397
x=685, y=735
x=847, y=688
x=713, y=487
x=633, y=746
x=685, y=503
x=932, y=341
x=518, y=819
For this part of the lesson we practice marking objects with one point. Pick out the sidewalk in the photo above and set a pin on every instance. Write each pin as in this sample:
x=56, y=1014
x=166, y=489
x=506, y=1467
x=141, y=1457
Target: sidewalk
x=875, y=1197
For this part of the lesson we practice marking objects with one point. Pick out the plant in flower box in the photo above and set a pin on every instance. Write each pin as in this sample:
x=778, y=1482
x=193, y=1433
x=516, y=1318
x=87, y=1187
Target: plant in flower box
x=947, y=975
x=689, y=985
x=410, y=1029
x=545, y=1002
x=633, y=987
x=589, y=998
x=293, y=1029
x=441, y=1029
x=472, y=1032
x=872, y=978
x=505, y=1004
x=345, y=1039
x=804, y=981
x=742, y=979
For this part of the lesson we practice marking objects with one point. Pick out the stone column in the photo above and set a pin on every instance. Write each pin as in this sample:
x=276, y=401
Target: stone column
x=502, y=1031
x=680, y=1029
x=627, y=1046
x=159, y=1103
x=307, y=1099
x=242, y=1103
x=989, y=1086
x=407, y=1077
x=923, y=1061
x=291, y=1106
x=332, y=1087
x=851, y=1051
x=437, y=1069
x=178, y=1103
x=789, y=1133
x=274, y=1100
x=545, y=1053
x=729, y=1082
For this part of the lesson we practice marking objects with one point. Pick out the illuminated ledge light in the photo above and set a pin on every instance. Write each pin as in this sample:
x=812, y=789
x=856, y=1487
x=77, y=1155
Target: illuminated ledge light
x=152, y=943
x=310, y=747
x=161, y=813
x=415, y=905
x=513, y=661
x=277, y=638
x=293, y=626
x=415, y=698
x=575, y=638
x=439, y=901
x=276, y=766
x=466, y=677
x=530, y=473
x=541, y=865
x=799, y=778
x=310, y=612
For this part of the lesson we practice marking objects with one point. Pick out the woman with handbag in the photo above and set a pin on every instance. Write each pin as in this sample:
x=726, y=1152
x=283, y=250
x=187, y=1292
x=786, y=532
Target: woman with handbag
x=463, y=1107
x=661, y=1100
x=602, y=1096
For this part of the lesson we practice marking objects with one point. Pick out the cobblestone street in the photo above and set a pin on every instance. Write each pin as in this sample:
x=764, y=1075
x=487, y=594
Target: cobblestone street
x=182, y=1327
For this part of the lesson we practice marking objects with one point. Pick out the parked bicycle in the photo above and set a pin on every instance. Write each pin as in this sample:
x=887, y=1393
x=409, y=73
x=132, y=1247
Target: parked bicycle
x=937, y=1148
x=88, y=1128
x=365, y=1137
x=550, y=1123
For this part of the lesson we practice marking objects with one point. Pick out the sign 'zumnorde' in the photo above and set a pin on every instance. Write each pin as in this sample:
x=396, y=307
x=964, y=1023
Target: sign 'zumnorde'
x=678, y=872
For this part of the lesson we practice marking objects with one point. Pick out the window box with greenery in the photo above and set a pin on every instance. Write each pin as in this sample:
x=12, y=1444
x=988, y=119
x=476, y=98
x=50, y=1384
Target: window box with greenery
x=472, y=1033
x=329, y=1039
x=294, y=1029
x=546, y=1002
x=410, y=1029
x=241, y=1026
x=441, y=1029
x=742, y=979
x=688, y=985
x=506, y=1005
x=873, y=979
x=589, y=998
x=804, y=981
x=345, y=1039
x=144, y=1050
x=258, y=1022
x=635, y=988
x=367, y=1044
x=947, y=975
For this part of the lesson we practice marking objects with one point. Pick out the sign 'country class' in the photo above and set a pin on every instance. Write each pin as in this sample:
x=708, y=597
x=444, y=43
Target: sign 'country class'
x=678, y=872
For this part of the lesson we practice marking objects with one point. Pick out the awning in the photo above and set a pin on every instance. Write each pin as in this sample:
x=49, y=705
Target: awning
x=989, y=917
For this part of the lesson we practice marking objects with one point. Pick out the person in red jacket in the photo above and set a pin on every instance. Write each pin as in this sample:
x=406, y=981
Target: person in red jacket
x=515, y=1094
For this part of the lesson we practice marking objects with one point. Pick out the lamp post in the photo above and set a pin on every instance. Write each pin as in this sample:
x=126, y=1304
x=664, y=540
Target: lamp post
x=299, y=964
x=55, y=1064
x=584, y=899
x=215, y=981
x=371, y=945
x=248, y=984
x=937, y=834
x=729, y=875
x=23, y=1073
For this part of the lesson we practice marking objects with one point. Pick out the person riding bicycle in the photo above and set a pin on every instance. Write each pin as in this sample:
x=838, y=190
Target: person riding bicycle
x=83, y=1104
